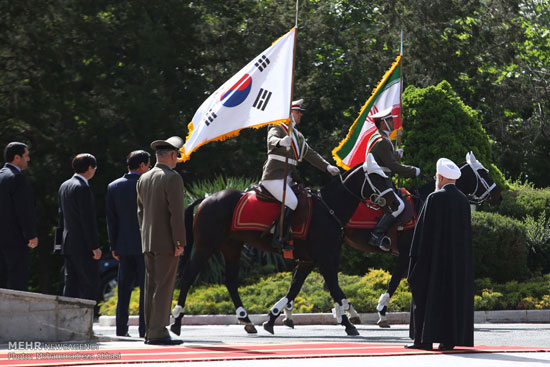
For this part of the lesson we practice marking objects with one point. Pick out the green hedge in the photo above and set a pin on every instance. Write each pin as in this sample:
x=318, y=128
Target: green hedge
x=525, y=201
x=363, y=292
x=500, y=247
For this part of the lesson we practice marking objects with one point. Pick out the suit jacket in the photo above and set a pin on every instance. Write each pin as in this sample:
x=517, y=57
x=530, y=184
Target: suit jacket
x=17, y=208
x=77, y=217
x=122, y=220
x=275, y=169
x=160, y=195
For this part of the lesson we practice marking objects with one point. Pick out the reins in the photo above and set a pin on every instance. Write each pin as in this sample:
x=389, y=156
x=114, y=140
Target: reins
x=378, y=197
x=473, y=197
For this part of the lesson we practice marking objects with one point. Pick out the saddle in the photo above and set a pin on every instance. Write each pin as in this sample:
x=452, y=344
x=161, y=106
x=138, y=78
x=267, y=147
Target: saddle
x=301, y=213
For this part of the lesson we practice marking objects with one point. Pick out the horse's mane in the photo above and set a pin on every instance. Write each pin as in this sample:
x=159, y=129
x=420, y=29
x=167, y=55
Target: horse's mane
x=337, y=181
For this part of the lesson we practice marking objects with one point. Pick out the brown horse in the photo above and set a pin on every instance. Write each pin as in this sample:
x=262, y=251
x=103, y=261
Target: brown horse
x=332, y=207
x=474, y=182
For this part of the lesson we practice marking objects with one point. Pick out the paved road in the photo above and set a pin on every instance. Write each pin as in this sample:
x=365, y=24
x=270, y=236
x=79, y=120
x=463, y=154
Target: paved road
x=528, y=335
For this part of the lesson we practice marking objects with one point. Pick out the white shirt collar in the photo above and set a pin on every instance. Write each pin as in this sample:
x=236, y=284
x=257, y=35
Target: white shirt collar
x=82, y=177
x=14, y=166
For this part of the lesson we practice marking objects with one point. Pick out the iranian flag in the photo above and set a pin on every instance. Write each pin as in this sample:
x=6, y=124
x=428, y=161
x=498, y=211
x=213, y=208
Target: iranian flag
x=387, y=94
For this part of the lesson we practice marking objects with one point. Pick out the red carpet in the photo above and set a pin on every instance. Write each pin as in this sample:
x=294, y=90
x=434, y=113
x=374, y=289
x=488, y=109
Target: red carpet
x=227, y=352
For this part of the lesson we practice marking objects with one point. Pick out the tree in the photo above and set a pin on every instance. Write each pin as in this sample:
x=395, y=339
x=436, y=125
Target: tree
x=438, y=124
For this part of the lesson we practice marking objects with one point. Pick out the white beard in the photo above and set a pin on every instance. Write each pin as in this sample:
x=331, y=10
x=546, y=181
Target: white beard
x=437, y=183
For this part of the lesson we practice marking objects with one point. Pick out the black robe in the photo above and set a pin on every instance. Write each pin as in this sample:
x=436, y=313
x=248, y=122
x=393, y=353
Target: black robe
x=441, y=275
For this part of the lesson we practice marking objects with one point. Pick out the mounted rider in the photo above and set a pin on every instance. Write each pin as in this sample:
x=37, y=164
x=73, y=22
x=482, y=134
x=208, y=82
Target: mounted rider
x=381, y=147
x=279, y=146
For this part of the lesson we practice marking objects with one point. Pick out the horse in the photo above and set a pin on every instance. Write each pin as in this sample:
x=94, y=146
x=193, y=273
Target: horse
x=331, y=208
x=474, y=182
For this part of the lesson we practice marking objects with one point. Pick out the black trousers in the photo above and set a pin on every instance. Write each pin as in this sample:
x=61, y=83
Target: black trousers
x=131, y=273
x=81, y=277
x=15, y=265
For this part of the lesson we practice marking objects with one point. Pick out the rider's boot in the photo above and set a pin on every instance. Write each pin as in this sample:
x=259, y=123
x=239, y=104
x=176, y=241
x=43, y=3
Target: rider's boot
x=283, y=242
x=378, y=237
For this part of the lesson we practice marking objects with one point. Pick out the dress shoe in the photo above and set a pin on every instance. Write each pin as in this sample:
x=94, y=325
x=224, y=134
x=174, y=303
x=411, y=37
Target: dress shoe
x=443, y=346
x=423, y=346
x=126, y=334
x=163, y=341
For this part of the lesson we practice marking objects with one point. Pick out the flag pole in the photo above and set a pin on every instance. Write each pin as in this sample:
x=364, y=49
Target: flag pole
x=290, y=126
x=400, y=131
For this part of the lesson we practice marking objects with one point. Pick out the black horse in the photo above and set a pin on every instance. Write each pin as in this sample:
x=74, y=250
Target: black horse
x=474, y=181
x=332, y=207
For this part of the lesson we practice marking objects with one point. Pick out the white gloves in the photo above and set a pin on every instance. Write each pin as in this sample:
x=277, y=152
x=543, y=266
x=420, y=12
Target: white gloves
x=417, y=171
x=399, y=152
x=333, y=170
x=285, y=142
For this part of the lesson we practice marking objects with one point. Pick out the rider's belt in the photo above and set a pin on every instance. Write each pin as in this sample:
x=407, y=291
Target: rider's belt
x=281, y=159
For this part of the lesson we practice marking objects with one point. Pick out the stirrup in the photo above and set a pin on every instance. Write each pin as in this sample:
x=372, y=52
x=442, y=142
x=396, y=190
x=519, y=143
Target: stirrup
x=382, y=242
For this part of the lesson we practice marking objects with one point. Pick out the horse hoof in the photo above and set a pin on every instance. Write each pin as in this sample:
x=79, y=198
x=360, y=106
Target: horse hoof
x=352, y=331
x=176, y=329
x=289, y=323
x=355, y=320
x=250, y=329
x=268, y=327
x=384, y=324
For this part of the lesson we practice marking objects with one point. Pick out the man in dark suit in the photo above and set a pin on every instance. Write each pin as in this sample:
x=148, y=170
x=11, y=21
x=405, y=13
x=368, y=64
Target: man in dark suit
x=77, y=217
x=17, y=219
x=125, y=238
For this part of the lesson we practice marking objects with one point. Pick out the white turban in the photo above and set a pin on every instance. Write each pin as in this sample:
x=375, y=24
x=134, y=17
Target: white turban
x=448, y=169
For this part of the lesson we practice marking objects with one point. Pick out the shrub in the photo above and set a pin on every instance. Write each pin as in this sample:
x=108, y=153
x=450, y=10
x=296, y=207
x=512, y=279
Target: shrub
x=363, y=293
x=437, y=123
x=538, y=241
x=525, y=201
x=356, y=262
x=500, y=247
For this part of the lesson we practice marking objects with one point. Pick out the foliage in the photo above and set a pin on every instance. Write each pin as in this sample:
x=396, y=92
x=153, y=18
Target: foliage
x=525, y=201
x=538, y=240
x=110, y=77
x=438, y=124
x=513, y=295
x=356, y=262
x=363, y=292
x=500, y=247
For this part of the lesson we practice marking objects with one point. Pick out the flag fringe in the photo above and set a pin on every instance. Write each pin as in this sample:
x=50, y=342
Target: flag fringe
x=186, y=156
x=339, y=160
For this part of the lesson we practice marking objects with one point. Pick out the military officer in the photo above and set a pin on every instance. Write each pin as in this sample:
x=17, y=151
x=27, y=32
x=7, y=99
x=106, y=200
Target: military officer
x=281, y=145
x=382, y=149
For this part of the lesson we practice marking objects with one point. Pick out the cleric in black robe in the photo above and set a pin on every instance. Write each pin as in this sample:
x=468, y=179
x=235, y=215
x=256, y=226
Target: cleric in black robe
x=441, y=275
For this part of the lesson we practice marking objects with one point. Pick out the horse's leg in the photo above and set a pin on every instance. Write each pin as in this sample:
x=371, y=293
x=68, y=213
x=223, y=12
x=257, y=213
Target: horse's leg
x=190, y=272
x=299, y=275
x=340, y=301
x=232, y=254
x=400, y=270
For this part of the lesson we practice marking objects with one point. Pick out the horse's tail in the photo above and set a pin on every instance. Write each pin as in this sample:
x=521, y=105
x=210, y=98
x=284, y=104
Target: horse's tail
x=189, y=239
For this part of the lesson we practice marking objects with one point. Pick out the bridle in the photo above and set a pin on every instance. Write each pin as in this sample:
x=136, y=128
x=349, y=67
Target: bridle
x=377, y=196
x=480, y=182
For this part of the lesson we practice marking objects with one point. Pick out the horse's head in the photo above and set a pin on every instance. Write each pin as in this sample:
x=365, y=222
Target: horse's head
x=379, y=189
x=476, y=183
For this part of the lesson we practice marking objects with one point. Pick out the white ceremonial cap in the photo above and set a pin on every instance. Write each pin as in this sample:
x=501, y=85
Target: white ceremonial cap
x=448, y=169
x=383, y=114
x=297, y=105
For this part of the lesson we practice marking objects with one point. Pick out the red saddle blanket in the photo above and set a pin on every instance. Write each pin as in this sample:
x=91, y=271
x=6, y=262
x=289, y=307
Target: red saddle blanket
x=367, y=218
x=251, y=214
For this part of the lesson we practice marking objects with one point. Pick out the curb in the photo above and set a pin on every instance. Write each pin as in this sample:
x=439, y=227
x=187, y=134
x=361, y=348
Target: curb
x=480, y=317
